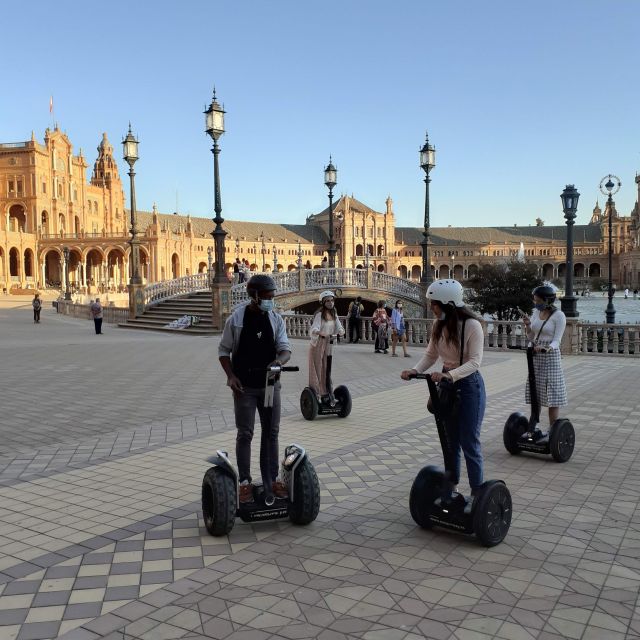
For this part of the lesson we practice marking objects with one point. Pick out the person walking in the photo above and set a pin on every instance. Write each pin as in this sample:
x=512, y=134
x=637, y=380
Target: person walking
x=96, y=314
x=544, y=330
x=381, y=323
x=398, y=330
x=354, y=314
x=325, y=325
x=36, y=303
x=457, y=339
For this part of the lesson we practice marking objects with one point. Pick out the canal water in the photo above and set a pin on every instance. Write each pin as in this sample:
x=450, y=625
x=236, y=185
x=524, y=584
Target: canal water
x=592, y=308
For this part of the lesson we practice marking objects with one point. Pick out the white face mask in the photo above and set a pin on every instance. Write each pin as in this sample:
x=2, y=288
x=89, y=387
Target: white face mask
x=443, y=315
x=400, y=307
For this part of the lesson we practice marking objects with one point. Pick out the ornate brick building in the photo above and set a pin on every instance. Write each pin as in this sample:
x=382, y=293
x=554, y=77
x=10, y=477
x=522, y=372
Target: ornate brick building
x=47, y=204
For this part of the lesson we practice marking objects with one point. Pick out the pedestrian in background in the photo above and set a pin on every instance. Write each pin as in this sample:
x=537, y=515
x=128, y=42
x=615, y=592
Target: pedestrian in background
x=398, y=330
x=381, y=323
x=37, y=307
x=355, y=311
x=96, y=314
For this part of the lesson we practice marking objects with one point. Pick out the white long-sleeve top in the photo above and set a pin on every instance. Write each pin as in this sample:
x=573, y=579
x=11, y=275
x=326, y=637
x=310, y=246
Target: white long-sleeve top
x=321, y=327
x=450, y=354
x=552, y=331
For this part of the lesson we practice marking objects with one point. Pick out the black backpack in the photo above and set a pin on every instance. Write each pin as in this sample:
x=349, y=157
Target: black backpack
x=354, y=312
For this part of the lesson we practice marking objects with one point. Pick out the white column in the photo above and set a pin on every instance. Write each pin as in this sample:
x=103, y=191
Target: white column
x=44, y=265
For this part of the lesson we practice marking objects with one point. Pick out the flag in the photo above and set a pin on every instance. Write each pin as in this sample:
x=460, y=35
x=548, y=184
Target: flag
x=51, y=104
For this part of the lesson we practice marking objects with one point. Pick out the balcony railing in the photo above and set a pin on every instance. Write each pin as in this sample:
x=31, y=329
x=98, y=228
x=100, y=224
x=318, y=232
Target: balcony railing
x=160, y=291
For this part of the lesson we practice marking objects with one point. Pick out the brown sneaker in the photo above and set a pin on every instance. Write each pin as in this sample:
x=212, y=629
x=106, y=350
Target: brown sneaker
x=280, y=489
x=246, y=493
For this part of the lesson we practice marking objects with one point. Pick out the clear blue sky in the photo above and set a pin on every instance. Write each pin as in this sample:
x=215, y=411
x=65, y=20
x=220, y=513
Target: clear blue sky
x=519, y=99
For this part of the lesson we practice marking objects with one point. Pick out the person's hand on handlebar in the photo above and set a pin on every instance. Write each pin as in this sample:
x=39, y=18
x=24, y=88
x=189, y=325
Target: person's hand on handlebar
x=438, y=376
x=407, y=373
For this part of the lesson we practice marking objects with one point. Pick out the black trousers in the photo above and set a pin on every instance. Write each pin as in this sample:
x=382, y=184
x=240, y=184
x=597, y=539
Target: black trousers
x=98, y=324
x=354, y=327
x=36, y=315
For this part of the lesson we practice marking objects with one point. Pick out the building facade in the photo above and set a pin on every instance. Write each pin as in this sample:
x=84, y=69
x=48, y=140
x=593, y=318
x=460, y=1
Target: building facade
x=48, y=205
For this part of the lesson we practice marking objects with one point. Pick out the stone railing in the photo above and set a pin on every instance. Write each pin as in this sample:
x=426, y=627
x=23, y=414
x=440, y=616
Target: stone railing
x=418, y=330
x=600, y=338
x=159, y=291
x=323, y=278
x=111, y=315
x=398, y=286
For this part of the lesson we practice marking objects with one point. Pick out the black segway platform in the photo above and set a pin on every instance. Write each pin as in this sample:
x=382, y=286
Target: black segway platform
x=337, y=402
x=433, y=503
x=522, y=434
x=221, y=488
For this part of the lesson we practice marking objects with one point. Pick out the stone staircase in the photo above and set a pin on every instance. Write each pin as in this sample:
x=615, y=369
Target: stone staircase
x=156, y=318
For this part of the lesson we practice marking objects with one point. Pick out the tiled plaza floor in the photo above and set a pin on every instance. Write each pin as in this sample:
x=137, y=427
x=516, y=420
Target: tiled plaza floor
x=102, y=456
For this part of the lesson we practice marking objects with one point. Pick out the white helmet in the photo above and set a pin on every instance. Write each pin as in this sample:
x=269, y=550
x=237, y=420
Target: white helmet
x=326, y=294
x=446, y=291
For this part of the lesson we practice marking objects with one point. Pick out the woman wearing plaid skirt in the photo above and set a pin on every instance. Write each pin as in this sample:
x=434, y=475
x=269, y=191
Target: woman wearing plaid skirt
x=544, y=331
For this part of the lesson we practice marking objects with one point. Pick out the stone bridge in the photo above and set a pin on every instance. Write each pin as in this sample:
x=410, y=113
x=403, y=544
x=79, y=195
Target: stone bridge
x=301, y=286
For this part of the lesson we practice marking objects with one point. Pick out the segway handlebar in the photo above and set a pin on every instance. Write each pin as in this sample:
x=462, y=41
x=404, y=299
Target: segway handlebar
x=419, y=376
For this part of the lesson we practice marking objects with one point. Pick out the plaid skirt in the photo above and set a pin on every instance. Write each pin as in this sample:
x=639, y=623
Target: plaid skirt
x=552, y=390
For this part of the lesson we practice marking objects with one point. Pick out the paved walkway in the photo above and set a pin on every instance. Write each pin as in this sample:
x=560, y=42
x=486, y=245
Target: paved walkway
x=101, y=460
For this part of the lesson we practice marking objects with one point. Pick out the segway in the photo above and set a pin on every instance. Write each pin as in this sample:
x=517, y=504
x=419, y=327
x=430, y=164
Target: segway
x=520, y=434
x=433, y=501
x=337, y=402
x=221, y=487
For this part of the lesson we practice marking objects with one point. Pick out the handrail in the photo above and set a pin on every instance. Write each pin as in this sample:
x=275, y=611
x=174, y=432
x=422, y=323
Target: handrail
x=159, y=291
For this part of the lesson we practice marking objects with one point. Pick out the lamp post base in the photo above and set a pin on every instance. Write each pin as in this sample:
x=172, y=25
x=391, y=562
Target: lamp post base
x=67, y=295
x=220, y=303
x=610, y=314
x=136, y=300
x=569, y=307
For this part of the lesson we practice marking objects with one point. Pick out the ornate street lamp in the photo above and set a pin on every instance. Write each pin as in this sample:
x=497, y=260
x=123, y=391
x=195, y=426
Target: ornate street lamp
x=427, y=162
x=67, y=289
x=331, y=180
x=275, y=259
x=130, y=154
x=569, y=199
x=214, y=126
x=264, y=252
x=238, y=248
x=608, y=188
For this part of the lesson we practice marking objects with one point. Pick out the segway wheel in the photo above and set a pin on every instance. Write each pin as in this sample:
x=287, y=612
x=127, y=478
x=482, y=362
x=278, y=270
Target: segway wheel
x=218, y=501
x=306, y=494
x=492, y=513
x=344, y=398
x=425, y=489
x=308, y=404
x=562, y=439
x=514, y=427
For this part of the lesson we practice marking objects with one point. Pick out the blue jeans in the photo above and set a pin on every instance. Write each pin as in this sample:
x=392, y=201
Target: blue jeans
x=245, y=405
x=464, y=432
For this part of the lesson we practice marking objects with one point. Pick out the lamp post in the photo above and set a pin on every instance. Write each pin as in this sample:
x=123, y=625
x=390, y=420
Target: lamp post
x=264, y=252
x=67, y=289
x=130, y=154
x=275, y=259
x=608, y=188
x=569, y=199
x=214, y=126
x=238, y=248
x=331, y=180
x=427, y=162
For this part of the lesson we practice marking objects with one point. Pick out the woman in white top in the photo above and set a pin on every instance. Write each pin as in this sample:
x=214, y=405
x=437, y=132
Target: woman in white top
x=325, y=324
x=463, y=432
x=544, y=331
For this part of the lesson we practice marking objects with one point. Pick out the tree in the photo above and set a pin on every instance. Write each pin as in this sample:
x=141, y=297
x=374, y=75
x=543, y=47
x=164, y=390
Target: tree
x=500, y=289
